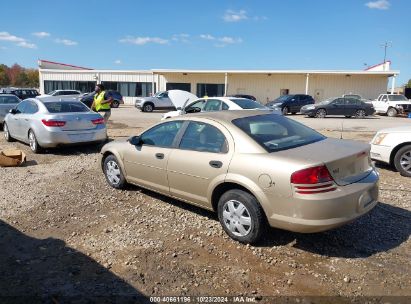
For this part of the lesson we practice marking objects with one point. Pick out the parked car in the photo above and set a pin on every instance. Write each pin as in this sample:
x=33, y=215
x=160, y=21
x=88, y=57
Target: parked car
x=243, y=96
x=347, y=107
x=7, y=102
x=392, y=104
x=251, y=167
x=62, y=93
x=393, y=146
x=216, y=104
x=291, y=103
x=88, y=98
x=171, y=99
x=48, y=124
x=21, y=93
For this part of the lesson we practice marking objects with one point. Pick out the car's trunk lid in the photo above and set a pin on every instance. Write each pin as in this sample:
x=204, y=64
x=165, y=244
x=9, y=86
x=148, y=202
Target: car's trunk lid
x=76, y=121
x=347, y=161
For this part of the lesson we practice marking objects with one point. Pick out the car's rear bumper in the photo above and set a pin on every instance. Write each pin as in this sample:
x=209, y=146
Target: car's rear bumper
x=329, y=210
x=51, y=139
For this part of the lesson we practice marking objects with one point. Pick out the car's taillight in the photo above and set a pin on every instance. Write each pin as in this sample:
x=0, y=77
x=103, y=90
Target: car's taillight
x=98, y=121
x=53, y=123
x=314, y=180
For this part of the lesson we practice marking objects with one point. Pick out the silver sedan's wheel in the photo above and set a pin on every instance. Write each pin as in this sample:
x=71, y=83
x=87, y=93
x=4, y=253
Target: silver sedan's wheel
x=148, y=107
x=34, y=145
x=237, y=218
x=321, y=113
x=360, y=114
x=402, y=161
x=113, y=173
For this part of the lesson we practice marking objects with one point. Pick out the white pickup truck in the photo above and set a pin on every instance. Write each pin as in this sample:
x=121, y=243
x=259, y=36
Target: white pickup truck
x=392, y=104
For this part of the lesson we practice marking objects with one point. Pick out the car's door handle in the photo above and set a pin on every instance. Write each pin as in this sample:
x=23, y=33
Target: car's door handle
x=216, y=164
x=159, y=155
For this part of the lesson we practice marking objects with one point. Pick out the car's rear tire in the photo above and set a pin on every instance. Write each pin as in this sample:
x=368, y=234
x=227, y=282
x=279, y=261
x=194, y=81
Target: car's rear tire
x=115, y=104
x=285, y=110
x=241, y=216
x=33, y=143
x=392, y=112
x=321, y=113
x=402, y=161
x=148, y=107
x=113, y=173
x=7, y=135
x=348, y=116
x=293, y=113
x=360, y=114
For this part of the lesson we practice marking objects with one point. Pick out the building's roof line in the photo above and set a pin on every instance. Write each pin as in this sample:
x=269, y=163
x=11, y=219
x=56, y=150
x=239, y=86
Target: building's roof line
x=64, y=64
x=375, y=65
x=158, y=71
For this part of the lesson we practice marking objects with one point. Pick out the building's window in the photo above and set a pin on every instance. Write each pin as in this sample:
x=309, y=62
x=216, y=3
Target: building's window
x=83, y=86
x=178, y=86
x=210, y=89
x=130, y=89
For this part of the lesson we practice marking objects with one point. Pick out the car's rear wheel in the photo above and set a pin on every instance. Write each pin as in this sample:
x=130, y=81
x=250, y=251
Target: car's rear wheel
x=112, y=170
x=115, y=104
x=34, y=145
x=360, y=114
x=148, y=107
x=241, y=216
x=293, y=113
x=392, y=112
x=7, y=135
x=402, y=161
x=321, y=113
x=348, y=116
x=285, y=110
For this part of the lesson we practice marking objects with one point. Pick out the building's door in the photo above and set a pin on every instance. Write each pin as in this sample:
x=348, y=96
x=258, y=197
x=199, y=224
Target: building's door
x=318, y=95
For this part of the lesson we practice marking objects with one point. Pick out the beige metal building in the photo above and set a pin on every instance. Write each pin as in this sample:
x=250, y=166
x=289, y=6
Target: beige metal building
x=263, y=84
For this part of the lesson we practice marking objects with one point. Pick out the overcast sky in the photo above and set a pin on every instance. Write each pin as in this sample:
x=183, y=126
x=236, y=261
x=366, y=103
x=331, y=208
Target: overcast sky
x=212, y=34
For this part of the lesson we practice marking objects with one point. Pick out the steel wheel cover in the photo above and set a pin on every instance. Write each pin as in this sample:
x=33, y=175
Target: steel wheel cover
x=113, y=172
x=237, y=218
x=405, y=161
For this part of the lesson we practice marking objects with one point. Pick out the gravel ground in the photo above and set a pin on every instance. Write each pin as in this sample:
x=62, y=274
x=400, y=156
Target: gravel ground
x=65, y=232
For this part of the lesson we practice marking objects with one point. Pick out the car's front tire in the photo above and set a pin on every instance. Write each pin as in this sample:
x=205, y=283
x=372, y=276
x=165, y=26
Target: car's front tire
x=148, y=107
x=34, y=145
x=321, y=113
x=285, y=110
x=7, y=135
x=360, y=114
x=392, y=112
x=115, y=104
x=241, y=216
x=402, y=161
x=113, y=173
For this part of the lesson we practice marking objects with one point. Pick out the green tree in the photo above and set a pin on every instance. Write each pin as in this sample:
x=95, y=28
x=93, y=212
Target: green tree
x=408, y=85
x=32, y=78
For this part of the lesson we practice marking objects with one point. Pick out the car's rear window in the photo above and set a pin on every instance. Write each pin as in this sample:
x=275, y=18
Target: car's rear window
x=275, y=132
x=65, y=107
x=247, y=103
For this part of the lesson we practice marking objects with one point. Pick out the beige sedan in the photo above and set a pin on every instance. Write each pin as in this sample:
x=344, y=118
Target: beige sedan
x=254, y=168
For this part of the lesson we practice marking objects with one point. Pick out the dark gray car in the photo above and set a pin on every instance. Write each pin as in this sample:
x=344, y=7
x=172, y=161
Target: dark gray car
x=7, y=102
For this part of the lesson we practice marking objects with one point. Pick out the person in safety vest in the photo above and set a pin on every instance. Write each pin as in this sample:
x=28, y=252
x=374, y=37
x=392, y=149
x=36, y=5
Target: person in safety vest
x=102, y=102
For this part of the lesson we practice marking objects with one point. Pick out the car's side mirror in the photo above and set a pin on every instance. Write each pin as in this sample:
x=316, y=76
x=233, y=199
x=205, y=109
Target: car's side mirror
x=135, y=141
x=13, y=111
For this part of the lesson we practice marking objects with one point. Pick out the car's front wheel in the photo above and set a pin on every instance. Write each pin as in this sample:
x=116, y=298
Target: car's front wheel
x=115, y=104
x=241, y=216
x=392, y=112
x=360, y=114
x=112, y=170
x=402, y=161
x=7, y=135
x=34, y=145
x=321, y=113
x=285, y=110
x=148, y=107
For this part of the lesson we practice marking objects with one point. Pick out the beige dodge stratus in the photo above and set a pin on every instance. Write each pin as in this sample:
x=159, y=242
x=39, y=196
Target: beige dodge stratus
x=254, y=168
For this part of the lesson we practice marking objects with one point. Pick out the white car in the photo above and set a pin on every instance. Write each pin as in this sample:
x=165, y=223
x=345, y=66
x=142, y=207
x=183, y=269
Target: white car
x=216, y=104
x=62, y=93
x=392, y=104
x=393, y=146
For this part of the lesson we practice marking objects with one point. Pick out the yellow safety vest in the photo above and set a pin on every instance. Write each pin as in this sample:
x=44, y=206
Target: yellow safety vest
x=98, y=98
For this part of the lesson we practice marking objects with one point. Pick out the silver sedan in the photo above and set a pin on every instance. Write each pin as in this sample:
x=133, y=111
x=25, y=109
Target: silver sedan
x=49, y=124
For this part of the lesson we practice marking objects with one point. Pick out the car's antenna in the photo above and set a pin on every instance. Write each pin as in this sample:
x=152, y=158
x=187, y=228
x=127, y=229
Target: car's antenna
x=342, y=129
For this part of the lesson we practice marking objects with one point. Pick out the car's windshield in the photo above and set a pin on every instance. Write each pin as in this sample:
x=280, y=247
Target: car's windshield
x=282, y=98
x=161, y=94
x=66, y=107
x=352, y=96
x=247, y=103
x=397, y=98
x=52, y=92
x=275, y=132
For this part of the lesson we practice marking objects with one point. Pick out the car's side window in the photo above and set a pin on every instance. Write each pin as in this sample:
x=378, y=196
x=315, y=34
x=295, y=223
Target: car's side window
x=203, y=137
x=162, y=135
x=224, y=107
x=212, y=105
x=21, y=108
x=31, y=108
x=339, y=101
x=196, y=105
x=384, y=98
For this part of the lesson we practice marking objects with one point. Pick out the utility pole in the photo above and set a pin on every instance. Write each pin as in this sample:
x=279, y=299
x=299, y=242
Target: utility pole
x=385, y=46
